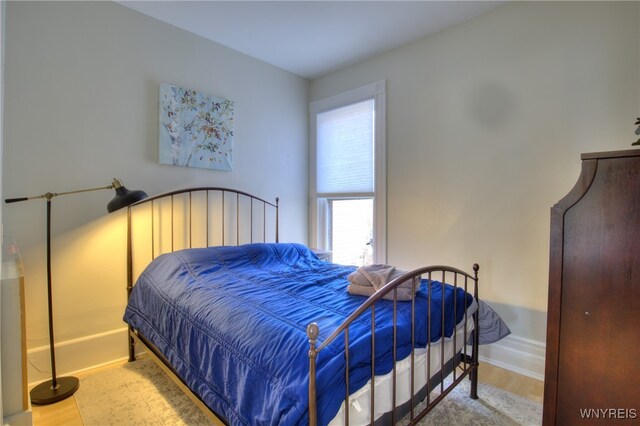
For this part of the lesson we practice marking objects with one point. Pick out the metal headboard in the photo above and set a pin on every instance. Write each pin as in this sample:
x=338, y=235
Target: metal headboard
x=198, y=217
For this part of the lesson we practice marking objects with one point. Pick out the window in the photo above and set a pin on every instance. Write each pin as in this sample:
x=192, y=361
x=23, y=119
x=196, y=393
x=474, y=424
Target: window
x=348, y=193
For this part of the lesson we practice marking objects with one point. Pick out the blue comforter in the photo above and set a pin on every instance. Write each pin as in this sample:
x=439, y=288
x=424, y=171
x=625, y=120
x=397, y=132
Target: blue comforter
x=232, y=322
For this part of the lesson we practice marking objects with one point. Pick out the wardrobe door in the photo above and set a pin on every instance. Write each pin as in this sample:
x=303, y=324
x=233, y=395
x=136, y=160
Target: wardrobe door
x=598, y=339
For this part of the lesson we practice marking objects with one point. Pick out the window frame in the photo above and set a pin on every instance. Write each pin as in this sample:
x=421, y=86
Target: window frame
x=319, y=214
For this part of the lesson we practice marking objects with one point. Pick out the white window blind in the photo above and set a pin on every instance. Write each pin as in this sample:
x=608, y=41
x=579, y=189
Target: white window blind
x=345, y=150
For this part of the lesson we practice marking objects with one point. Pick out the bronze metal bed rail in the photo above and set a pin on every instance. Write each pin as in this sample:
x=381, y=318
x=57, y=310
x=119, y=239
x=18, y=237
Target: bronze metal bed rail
x=468, y=363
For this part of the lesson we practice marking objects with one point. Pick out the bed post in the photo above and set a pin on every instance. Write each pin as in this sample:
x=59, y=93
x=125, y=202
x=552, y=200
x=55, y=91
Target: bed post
x=277, y=220
x=312, y=332
x=476, y=338
x=131, y=341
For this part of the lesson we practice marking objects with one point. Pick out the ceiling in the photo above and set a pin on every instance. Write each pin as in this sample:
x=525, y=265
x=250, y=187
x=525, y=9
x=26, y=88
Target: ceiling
x=312, y=38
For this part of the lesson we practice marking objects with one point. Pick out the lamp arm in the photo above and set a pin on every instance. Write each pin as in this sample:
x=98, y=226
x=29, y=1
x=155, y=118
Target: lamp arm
x=49, y=195
x=77, y=191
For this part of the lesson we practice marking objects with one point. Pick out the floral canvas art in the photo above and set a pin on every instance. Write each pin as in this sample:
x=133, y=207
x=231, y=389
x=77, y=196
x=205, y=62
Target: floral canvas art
x=196, y=129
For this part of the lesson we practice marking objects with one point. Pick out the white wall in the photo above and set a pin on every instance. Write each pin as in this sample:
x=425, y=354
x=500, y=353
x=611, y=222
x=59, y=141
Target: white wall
x=81, y=108
x=485, y=125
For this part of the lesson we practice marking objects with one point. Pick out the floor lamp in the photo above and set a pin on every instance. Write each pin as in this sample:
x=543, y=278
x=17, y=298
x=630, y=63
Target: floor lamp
x=59, y=388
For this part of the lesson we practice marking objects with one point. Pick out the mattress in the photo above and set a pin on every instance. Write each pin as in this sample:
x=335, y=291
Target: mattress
x=232, y=323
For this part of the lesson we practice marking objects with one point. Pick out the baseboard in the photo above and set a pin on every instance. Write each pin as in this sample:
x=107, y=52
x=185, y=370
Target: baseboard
x=513, y=353
x=22, y=418
x=517, y=354
x=77, y=355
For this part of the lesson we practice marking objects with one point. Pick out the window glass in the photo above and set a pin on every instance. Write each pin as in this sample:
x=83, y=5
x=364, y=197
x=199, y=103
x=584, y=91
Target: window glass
x=352, y=231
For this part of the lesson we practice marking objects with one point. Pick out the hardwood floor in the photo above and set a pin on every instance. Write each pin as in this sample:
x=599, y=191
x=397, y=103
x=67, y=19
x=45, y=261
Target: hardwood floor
x=515, y=383
x=65, y=413
x=61, y=413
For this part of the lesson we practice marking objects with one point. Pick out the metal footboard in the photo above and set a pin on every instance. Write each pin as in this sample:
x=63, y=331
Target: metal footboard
x=465, y=363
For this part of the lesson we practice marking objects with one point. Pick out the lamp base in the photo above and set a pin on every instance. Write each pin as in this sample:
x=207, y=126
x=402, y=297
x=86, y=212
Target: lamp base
x=45, y=393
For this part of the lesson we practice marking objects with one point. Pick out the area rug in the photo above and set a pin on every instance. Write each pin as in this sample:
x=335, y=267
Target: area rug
x=136, y=393
x=140, y=393
x=492, y=408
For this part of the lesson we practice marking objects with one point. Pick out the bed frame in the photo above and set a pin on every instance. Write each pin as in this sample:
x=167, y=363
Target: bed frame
x=178, y=220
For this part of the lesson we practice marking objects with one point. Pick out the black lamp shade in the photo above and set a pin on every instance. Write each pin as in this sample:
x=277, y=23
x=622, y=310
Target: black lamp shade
x=124, y=198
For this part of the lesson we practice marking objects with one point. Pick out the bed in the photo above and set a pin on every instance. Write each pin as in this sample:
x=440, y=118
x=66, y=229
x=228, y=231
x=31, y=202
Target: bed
x=263, y=332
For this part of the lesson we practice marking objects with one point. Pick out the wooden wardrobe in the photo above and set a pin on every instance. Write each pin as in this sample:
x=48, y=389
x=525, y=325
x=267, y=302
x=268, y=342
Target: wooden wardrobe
x=593, y=325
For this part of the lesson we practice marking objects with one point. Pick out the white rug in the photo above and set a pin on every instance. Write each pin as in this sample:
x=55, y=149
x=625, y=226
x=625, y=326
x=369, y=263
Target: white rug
x=140, y=393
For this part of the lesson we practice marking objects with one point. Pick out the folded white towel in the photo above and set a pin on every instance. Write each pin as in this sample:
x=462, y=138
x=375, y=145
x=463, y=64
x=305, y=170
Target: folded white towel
x=372, y=275
x=366, y=280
